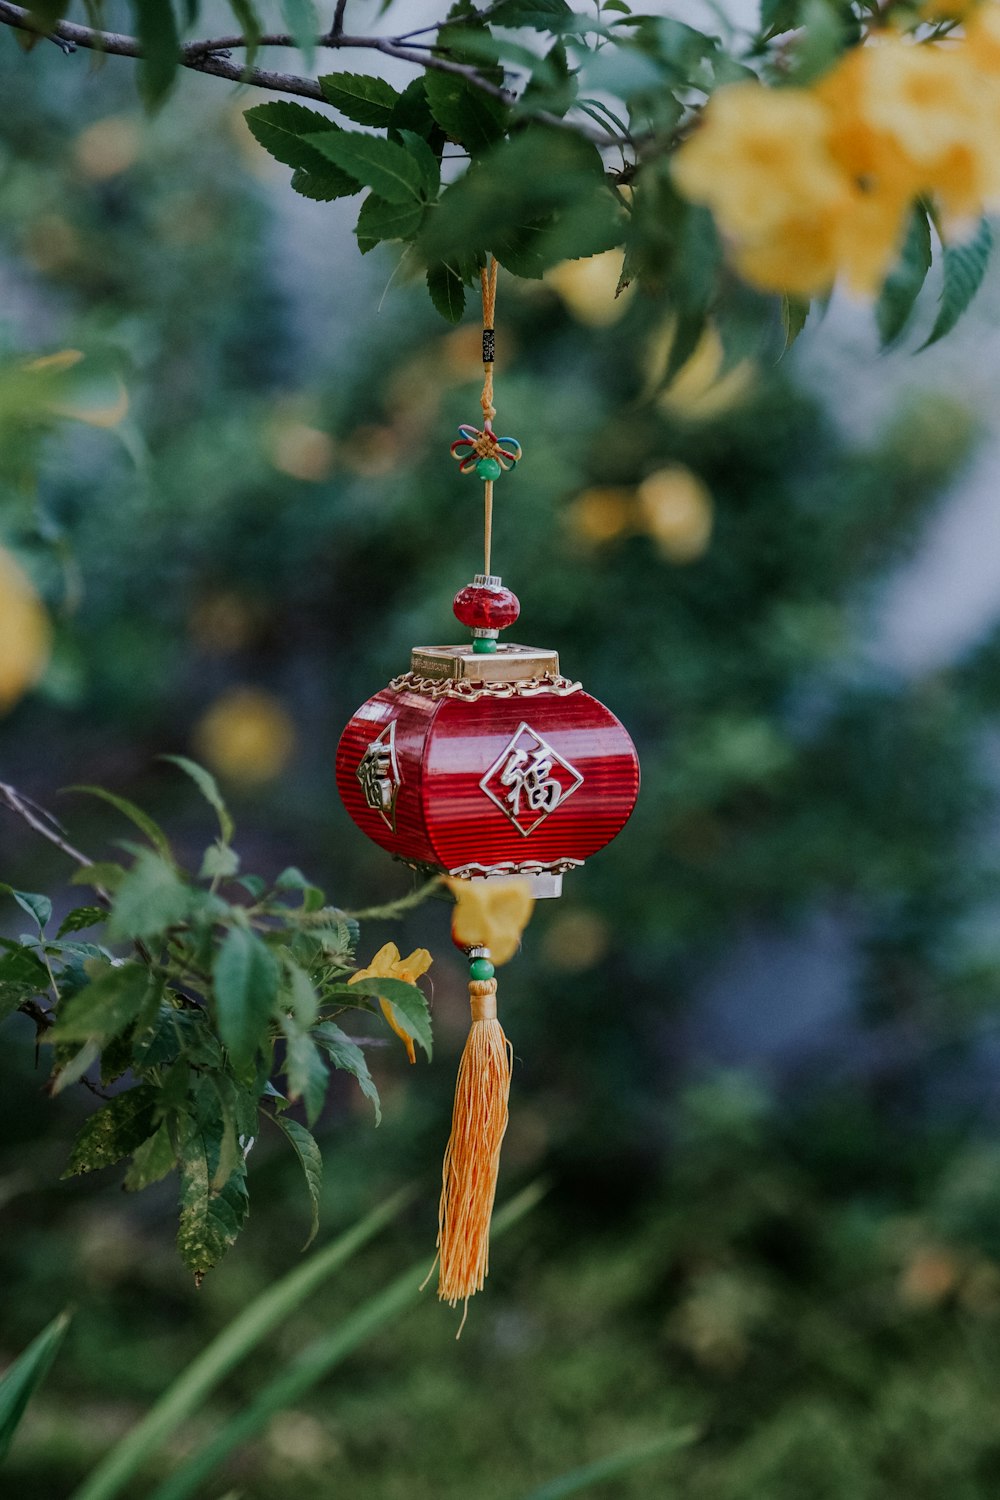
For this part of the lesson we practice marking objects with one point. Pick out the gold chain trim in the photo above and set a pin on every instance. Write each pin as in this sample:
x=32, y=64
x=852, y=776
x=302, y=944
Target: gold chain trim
x=468, y=691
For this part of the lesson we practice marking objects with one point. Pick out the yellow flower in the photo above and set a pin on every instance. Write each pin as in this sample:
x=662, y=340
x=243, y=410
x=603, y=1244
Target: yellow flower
x=25, y=633
x=246, y=735
x=491, y=914
x=759, y=160
x=387, y=964
x=676, y=509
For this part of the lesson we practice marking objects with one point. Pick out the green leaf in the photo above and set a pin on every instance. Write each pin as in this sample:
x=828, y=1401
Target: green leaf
x=151, y=1161
x=219, y=862
x=151, y=898
x=324, y=183
x=373, y=162
x=303, y=22
x=346, y=1054
x=408, y=1003
x=540, y=15
x=106, y=1006
x=113, y=1132
x=379, y=220
x=187, y=1395
x=311, y=1160
x=426, y=160
x=280, y=127
x=135, y=815
x=208, y=786
x=298, y=994
x=904, y=282
x=447, y=291
x=250, y=25
x=964, y=269
x=74, y=1070
x=465, y=113
x=37, y=907
x=794, y=312
x=362, y=98
x=157, y=30
x=293, y=879
x=306, y=1072
x=80, y=918
x=25, y=1375
x=211, y=1216
x=245, y=976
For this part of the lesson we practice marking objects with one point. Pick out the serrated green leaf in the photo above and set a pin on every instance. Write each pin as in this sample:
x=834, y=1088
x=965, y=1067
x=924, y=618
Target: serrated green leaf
x=25, y=1375
x=80, y=918
x=412, y=111
x=280, y=127
x=539, y=15
x=209, y=788
x=964, y=269
x=303, y=22
x=362, y=98
x=311, y=1161
x=113, y=1132
x=426, y=160
x=142, y=820
x=447, y=291
x=151, y=898
x=465, y=113
x=386, y=168
x=346, y=1054
x=904, y=282
x=151, y=1161
x=306, y=1072
x=38, y=907
x=324, y=183
x=245, y=978
x=105, y=1007
x=379, y=220
x=211, y=1217
x=293, y=879
x=156, y=26
x=408, y=1004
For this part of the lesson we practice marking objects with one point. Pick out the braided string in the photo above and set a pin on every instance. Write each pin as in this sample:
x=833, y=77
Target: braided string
x=488, y=280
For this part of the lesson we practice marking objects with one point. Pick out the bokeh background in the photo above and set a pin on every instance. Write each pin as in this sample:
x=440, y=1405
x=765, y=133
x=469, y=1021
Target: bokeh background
x=756, y=1039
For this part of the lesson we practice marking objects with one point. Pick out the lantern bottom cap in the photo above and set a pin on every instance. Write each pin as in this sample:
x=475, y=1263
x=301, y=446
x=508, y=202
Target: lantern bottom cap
x=545, y=880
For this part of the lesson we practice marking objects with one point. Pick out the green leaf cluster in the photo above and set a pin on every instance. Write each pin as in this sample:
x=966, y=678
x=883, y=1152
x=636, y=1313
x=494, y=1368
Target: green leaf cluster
x=195, y=997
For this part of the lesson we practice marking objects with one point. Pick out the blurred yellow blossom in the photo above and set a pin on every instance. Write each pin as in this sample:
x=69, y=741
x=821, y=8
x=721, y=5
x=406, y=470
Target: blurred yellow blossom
x=246, y=735
x=491, y=914
x=25, y=633
x=811, y=184
x=588, y=288
x=387, y=964
x=300, y=450
x=676, y=510
x=703, y=387
x=107, y=147
x=600, y=514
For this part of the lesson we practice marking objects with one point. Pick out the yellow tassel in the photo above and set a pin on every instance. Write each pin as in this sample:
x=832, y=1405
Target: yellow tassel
x=472, y=1160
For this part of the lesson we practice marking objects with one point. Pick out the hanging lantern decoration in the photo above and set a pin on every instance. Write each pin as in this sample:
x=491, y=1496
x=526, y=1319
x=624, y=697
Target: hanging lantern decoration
x=484, y=763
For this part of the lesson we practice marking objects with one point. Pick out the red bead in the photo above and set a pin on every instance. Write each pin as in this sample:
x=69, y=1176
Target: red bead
x=483, y=606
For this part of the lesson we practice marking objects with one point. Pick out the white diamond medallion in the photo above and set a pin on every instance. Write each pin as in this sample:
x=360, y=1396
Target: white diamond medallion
x=529, y=780
x=378, y=774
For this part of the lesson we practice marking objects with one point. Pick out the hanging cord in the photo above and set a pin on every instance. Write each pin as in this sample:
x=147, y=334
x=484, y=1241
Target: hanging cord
x=488, y=279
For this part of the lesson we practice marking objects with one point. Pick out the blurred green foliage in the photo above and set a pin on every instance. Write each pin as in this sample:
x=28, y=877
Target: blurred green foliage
x=804, y=1264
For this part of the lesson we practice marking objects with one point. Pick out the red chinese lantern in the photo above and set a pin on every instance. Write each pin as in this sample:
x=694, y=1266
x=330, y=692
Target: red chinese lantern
x=485, y=763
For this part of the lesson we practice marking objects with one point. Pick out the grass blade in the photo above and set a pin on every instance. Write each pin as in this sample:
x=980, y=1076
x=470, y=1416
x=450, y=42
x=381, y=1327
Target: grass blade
x=25, y=1376
x=317, y=1360
x=224, y=1352
x=617, y=1463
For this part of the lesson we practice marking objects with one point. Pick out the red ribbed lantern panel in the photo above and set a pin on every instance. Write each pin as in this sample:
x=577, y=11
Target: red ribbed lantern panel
x=488, y=784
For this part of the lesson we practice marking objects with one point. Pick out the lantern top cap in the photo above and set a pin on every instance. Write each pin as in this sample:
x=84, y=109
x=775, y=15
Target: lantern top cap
x=509, y=663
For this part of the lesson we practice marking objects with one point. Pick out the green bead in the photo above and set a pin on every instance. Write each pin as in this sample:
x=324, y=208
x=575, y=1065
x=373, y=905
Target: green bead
x=484, y=645
x=481, y=968
x=488, y=468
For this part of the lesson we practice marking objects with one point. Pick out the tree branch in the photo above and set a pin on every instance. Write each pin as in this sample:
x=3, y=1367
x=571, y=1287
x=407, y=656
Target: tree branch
x=213, y=56
x=42, y=822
